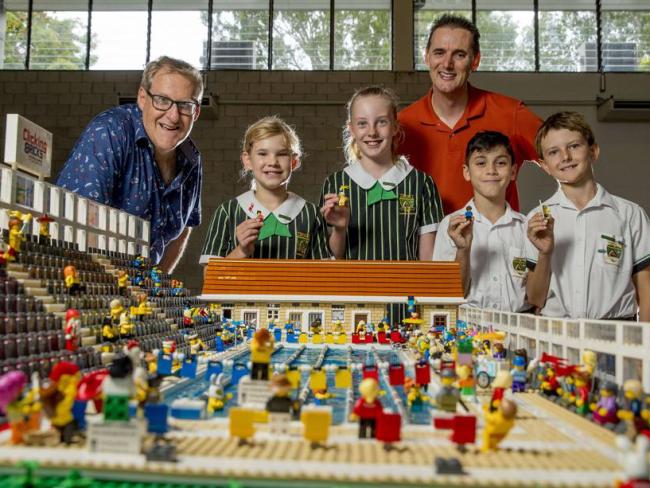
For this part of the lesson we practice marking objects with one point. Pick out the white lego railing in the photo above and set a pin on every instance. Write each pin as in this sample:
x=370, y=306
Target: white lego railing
x=622, y=348
x=77, y=220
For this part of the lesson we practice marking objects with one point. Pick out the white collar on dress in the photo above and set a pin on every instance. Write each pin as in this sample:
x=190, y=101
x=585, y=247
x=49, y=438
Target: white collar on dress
x=388, y=180
x=286, y=212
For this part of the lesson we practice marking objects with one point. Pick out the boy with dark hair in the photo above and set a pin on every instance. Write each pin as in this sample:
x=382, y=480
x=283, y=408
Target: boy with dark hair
x=589, y=250
x=486, y=236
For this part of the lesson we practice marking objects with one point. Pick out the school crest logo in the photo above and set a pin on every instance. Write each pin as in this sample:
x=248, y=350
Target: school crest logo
x=406, y=204
x=613, y=251
x=519, y=267
x=302, y=244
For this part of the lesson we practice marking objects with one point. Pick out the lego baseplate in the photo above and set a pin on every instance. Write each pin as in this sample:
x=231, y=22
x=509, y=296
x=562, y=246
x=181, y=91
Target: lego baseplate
x=548, y=447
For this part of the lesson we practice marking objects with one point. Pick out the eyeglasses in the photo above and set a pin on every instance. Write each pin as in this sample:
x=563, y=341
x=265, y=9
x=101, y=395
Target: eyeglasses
x=163, y=103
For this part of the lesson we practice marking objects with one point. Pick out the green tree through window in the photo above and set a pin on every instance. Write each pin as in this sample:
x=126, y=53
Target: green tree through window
x=57, y=43
x=362, y=36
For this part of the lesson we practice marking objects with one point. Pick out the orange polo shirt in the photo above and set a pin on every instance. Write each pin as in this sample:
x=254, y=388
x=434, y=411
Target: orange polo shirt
x=431, y=146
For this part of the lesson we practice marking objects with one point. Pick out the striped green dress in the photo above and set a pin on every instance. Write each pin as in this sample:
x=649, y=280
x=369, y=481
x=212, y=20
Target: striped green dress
x=303, y=220
x=390, y=228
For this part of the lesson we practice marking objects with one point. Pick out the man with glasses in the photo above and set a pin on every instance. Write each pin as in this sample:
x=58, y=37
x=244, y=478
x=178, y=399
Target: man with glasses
x=138, y=158
x=438, y=126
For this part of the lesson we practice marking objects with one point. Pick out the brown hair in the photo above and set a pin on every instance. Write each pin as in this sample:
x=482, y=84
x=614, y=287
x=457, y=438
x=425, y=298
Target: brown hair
x=572, y=121
x=456, y=22
x=350, y=148
x=262, y=335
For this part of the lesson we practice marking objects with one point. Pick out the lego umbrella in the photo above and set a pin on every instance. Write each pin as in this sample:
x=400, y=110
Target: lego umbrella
x=415, y=321
x=45, y=218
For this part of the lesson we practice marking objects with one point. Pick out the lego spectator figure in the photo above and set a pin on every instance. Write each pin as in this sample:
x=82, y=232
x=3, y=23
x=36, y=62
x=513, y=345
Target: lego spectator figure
x=606, y=408
x=72, y=282
x=195, y=344
x=632, y=405
x=122, y=282
x=519, y=374
x=17, y=224
x=72, y=329
x=58, y=398
x=125, y=326
x=117, y=309
x=44, y=222
x=22, y=407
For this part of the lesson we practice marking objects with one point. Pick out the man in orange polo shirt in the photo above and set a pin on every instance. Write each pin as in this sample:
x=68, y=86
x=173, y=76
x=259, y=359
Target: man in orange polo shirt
x=438, y=126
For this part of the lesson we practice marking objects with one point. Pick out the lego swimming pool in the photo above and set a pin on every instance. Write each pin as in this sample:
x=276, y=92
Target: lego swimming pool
x=304, y=358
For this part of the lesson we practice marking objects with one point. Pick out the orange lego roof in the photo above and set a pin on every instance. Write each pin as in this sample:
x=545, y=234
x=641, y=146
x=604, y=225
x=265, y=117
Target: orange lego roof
x=327, y=280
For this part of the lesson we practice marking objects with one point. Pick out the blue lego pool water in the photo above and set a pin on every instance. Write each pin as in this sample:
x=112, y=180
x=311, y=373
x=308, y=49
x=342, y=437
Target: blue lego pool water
x=197, y=388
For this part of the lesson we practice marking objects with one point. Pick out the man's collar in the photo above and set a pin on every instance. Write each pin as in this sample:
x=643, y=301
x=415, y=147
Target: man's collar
x=475, y=102
x=138, y=124
x=389, y=180
x=286, y=212
x=475, y=107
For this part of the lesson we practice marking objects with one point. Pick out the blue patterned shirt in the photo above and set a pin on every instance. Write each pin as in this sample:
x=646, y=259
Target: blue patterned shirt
x=113, y=163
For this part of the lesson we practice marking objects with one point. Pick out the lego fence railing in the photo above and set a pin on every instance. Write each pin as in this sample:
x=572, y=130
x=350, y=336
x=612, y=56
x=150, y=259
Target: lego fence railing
x=622, y=348
x=77, y=220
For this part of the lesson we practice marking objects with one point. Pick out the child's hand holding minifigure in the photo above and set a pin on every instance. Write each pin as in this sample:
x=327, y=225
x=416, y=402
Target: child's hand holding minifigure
x=334, y=214
x=247, y=233
x=540, y=233
x=460, y=231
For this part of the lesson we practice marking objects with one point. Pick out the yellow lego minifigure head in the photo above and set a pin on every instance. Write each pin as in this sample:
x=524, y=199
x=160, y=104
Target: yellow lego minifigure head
x=632, y=389
x=168, y=347
x=369, y=390
x=503, y=379
x=447, y=377
x=463, y=371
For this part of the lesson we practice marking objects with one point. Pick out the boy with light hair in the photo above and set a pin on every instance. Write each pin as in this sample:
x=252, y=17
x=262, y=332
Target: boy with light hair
x=591, y=257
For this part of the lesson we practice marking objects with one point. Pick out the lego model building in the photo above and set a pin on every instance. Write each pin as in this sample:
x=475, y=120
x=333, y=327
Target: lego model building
x=305, y=291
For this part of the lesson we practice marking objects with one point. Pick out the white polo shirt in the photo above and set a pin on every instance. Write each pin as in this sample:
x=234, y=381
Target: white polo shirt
x=497, y=259
x=597, y=250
